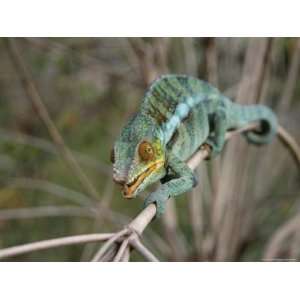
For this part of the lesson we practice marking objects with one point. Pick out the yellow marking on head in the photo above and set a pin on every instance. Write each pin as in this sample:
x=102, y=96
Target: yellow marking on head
x=130, y=189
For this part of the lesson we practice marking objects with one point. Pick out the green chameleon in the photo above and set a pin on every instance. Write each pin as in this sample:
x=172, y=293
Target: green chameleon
x=178, y=115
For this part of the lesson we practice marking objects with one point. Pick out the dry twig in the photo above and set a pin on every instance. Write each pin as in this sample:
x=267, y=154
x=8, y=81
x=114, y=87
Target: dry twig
x=275, y=244
x=59, y=242
x=290, y=142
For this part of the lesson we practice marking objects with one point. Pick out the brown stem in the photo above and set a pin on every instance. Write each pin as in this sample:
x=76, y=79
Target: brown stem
x=143, y=250
x=121, y=250
x=110, y=242
x=290, y=142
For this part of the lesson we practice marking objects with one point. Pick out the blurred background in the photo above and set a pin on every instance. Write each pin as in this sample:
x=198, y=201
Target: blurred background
x=246, y=206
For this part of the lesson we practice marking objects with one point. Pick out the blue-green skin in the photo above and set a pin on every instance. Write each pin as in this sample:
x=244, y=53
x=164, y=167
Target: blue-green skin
x=179, y=114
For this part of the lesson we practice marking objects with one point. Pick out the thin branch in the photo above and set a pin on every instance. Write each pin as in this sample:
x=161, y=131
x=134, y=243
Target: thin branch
x=110, y=254
x=290, y=142
x=36, y=101
x=106, y=246
x=143, y=250
x=275, y=243
x=121, y=250
x=52, y=243
x=126, y=255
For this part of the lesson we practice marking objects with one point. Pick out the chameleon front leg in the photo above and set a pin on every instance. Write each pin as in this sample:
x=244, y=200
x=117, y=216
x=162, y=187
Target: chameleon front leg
x=217, y=140
x=181, y=181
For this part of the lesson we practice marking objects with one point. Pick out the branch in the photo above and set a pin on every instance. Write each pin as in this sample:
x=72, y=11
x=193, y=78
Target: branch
x=122, y=250
x=290, y=142
x=47, y=244
x=106, y=246
x=277, y=240
x=143, y=250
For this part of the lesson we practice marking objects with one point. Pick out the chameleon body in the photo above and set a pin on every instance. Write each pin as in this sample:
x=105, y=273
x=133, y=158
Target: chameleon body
x=178, y=114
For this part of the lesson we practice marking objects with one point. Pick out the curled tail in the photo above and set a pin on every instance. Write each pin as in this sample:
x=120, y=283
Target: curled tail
x=244, y=115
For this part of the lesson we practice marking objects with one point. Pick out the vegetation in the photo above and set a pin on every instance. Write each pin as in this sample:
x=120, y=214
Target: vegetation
x=63, y=101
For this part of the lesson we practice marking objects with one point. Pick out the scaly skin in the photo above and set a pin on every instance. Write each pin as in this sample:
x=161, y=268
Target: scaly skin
x=178, y=114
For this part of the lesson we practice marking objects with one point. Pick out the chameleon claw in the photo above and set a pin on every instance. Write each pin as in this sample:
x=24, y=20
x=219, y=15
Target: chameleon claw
x=159, y=200
x=212, y=150
x=206, y=147
x=209, y=149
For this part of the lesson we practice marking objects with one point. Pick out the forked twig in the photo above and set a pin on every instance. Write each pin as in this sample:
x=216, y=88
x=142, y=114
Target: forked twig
x=142, y=249
x=109, y=242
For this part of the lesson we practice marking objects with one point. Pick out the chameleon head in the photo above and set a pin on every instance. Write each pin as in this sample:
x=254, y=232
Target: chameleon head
x=138, y=156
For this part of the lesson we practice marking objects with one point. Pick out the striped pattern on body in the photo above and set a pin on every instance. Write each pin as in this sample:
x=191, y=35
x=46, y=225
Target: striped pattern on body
x=179, y=105
x=183, y=107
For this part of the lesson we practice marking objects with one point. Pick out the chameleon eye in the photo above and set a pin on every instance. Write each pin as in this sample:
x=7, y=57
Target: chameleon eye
x=112, y=156
x=146, y=151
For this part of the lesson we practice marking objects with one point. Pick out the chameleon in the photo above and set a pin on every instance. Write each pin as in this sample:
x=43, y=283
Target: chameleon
x=177, y=116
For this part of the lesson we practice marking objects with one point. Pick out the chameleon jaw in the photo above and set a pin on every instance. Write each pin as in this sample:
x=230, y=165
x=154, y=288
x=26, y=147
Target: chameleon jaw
x=130, y=189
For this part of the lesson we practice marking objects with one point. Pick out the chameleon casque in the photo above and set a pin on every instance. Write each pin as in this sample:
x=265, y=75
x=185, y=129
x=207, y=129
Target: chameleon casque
x=178, y=114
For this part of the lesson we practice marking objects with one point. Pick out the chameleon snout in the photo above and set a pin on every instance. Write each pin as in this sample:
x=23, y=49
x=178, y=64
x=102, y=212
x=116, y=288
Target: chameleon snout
x=127, y=190
x=122, y=183
x=127, y=193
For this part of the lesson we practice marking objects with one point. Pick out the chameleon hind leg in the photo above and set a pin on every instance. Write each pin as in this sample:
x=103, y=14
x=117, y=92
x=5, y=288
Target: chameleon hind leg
x=181, y=181
x=216, y=140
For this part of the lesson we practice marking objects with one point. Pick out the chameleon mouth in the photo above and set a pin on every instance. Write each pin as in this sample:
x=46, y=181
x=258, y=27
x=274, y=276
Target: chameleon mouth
x=130, y=188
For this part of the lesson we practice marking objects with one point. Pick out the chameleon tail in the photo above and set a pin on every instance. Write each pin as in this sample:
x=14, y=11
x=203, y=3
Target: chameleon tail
x=266, y=117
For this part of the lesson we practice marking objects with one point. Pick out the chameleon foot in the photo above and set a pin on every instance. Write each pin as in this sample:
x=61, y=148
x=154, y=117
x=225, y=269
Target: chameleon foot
x=159, y=199
x=212, y=153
